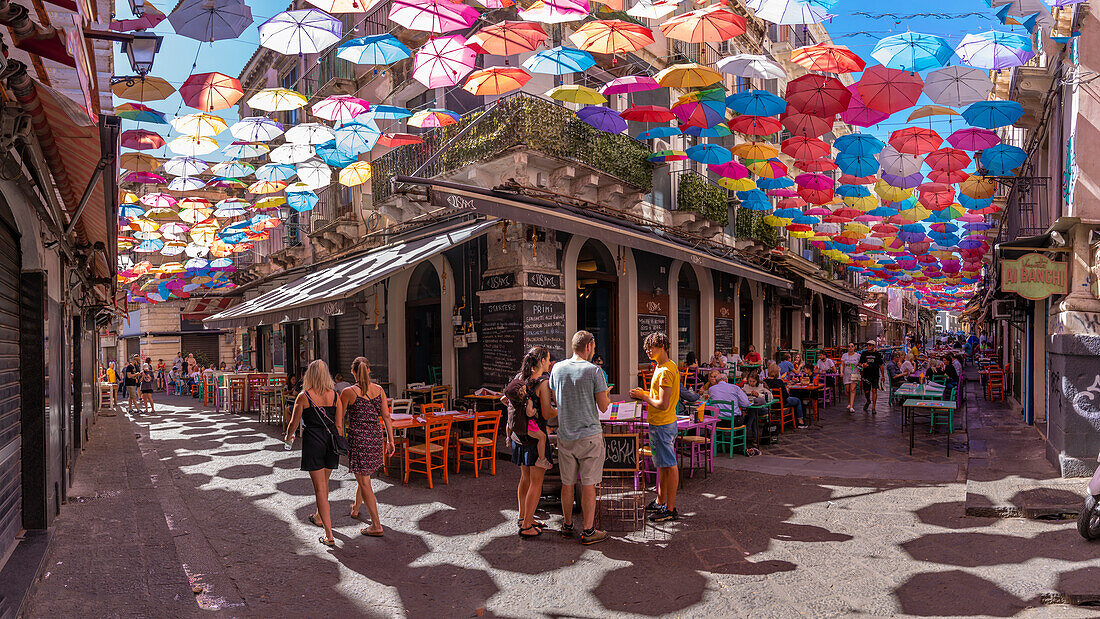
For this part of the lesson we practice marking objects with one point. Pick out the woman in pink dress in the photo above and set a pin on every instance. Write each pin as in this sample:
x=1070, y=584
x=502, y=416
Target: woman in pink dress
x=363, y=410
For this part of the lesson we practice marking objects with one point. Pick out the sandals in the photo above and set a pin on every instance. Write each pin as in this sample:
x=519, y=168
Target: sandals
x=535, y=523
x=331, y=543
x=366, y=531
x=537, y=532
x=316, y=521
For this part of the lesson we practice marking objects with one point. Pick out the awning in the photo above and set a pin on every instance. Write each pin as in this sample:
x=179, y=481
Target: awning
x=830, y=291
x=198, y=308
x=322, y=293
x=587, y=223
x=870, y=313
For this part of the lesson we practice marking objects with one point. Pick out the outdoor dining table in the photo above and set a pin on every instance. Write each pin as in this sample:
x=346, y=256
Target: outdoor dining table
x=404, y=421
x=490, y=402
x=418, y=393
x=917, y=406
x=813, y=389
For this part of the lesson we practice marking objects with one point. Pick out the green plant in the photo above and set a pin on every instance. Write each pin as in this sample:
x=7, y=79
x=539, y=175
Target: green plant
x=695, y=194
x=750, y=225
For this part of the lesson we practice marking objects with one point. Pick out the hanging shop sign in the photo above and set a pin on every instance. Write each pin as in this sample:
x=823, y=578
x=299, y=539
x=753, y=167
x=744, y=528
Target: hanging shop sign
x=1034, y=276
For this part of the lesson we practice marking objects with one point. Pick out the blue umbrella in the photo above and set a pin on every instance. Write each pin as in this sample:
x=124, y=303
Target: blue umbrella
x=993, y=114
x=912, y=51
x=375, y=49
x=806, y=219
x=859, y=143
x=602, y=118
x=973, y=204
x=130, y=210
x=357, y=137
x=788, y=213
x=275, y=172
x=230, y=237
x=1002, y=159
x=853, y=164
x=711, y=154
x=852, y=191
x=774, y=183
x=755, y=200
x=385, y=112
x=883, y=211
x=301, y=200
x=333, y=156
x=717, y=131
x=658, y=132
x=559, y=61
x=756, y=103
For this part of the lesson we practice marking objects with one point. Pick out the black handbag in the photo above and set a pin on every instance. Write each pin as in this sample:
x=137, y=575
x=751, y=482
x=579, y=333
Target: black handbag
x=339, y=443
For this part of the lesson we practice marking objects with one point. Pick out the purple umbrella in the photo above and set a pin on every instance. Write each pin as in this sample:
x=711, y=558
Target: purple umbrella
x=859, y=114
x=911, y=237
x=146, y=178
x=903, y=182
x=973, y=139
x=602, y=118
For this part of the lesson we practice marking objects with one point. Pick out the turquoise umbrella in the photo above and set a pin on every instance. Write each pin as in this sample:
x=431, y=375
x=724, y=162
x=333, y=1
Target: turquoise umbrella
x=357, y=137
x=711, y=154
x=1001, y=159
x=912, y=51
x=993, y=114
x=272, y=172
x=559, y=61
x=375, y=49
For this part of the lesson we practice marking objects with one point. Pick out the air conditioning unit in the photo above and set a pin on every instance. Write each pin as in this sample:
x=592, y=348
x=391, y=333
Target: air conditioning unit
x=1002, y=309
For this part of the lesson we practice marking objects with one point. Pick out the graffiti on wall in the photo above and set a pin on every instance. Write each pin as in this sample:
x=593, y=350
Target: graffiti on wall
x=1085, y=402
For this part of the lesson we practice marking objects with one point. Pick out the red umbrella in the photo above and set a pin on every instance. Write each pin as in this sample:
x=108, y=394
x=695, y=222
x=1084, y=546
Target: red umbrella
x=647, y=114
x=755, y=125
x=211, y=91
x=399, y=139
x=815, y=165
x=802, y=147
x=791, y=203
x=507, y=38
x=828, y=58
x=806, y=125
x=950, y=176
x=859, y=114
x=915, y=140
x=817, y=95
x=140, y=139
x=848, y=179
x=947, y=159
x=889, y=90
x=816, y=196
x=936, y=199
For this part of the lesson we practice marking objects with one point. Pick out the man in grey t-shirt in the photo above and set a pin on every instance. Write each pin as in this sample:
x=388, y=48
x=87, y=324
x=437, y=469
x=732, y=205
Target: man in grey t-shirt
x=581, y=392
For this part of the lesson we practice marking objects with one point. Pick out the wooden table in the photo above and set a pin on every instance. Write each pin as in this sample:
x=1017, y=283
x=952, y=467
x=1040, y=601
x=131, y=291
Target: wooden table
x=812, y=389
x=914, y=406
x=418, y=421
x=417, y=393
x=492, y=402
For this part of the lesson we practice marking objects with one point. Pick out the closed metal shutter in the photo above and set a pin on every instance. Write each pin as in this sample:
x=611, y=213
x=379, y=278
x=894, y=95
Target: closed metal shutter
x=348, y=343
x=11, y=487
x=204, y=347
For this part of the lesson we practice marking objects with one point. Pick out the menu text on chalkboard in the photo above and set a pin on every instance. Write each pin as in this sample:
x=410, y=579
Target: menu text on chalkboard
x=498, y=281
x=544, y=325
x=652, y=317
x=501, y=341
x=723, y=334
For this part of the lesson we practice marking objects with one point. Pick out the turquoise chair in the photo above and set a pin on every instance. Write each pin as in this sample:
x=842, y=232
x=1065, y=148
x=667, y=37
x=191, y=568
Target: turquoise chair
x=726, y=438
x=944, y=412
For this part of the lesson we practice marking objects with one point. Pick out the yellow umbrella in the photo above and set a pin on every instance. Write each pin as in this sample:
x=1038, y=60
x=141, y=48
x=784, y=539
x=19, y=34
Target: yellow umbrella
x=888, y=192
x=857, y=227
x=160, y=212
x=978, y=187
x=270, y=202
x=611, y=36
x=192, y=145
x=776, y=222
x=863, y=203
x=146, y=88
x=582, y=95
x=801, y=234
x=689, y=75
x=144, y=225
x=740, y=184
x=355, y=174
x=266, y=186
x=917, y=213
x=204, y=234
x=195, y=215
x=199, y=125
x=755, y=150
x=932, y=110
x=172, y=267
x=138, y=162
x=277, y=100
x=128, y=197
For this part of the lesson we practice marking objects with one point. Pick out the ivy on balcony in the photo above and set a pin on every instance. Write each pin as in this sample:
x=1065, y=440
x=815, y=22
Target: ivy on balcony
x=750, y=225
x=695, y=194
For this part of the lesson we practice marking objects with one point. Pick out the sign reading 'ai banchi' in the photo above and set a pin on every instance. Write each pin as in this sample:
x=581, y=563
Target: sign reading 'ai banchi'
x=1034, y=276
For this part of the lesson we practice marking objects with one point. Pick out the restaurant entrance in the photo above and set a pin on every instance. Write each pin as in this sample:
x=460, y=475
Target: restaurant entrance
x=423, y=325
x=597, y=302
x=687, y=290
x=745, y=300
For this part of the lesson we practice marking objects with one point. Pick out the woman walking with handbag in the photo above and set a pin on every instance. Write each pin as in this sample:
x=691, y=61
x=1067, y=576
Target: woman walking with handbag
x=315, y=408
x=363, y=409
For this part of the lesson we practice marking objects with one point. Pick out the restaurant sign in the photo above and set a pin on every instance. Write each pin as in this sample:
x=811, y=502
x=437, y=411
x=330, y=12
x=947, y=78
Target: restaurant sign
x=1034, y=276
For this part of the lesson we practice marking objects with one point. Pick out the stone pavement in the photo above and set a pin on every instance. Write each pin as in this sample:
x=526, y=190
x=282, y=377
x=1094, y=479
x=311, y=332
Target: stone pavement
x=192, y=500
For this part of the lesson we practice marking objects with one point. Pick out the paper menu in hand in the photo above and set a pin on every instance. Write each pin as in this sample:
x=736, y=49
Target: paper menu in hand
x=625, y=410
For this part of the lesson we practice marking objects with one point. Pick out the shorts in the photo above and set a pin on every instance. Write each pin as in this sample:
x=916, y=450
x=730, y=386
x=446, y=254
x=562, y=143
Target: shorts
x=581, y=458
x=533, y=426
x=662, y=442
x=870, y=381
x=527, y=453
x=132, y=391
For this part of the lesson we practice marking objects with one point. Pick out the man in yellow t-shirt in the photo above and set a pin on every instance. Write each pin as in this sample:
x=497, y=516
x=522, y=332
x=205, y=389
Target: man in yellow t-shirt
x=661, y=401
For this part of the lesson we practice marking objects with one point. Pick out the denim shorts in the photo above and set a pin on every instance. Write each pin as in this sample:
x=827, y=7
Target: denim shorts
x=662, y=442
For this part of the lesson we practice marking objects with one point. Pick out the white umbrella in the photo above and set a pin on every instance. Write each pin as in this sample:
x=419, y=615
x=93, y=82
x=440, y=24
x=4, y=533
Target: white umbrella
x=193, y=146
x=751, y=66
x=186, y=183
x=185, y=166
x=790, y=12
x=195, y=250
x=256, y=129
x=306, y=31
x=291, y=153
x=653, y=9
x=314, y=174
x=899, y=164
x=957, y=86
x=310, y=133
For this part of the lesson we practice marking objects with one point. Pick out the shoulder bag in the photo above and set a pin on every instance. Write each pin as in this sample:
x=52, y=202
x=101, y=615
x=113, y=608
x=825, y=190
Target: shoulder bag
x=339, y=443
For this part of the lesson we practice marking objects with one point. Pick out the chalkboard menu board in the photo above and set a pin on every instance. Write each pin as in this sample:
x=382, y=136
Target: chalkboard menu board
x=652, y=317
x=501, y=341
x=621, y=452
x=544, y=325
x=723, y=334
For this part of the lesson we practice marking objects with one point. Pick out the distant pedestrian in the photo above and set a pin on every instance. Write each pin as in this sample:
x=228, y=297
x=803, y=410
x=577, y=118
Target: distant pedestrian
x=363, y=410
x=341, y=383
x=849, y=370
x=315, y=408
x=661, y=400
x=581, y=392
x=870, y=362
x=147, y=384
x=133, y=375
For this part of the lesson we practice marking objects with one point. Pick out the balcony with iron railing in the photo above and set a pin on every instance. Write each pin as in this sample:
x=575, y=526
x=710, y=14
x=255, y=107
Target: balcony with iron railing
x=518, y=120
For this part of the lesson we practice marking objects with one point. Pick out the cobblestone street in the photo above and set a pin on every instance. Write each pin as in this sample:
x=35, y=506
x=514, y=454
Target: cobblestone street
x=190, y=511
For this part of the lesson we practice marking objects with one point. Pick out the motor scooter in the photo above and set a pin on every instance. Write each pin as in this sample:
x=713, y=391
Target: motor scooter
x=1088, y=523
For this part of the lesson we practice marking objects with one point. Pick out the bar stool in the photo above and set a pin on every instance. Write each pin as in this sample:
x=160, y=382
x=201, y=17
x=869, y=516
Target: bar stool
x=107, y=396
x=209, y=389
x=237, y=387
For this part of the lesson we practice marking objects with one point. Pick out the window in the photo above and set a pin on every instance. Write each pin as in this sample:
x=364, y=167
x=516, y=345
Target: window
x=290, y=80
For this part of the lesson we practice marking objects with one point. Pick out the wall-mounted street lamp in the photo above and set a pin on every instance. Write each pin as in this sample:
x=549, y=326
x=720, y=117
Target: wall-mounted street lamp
x=141, y=50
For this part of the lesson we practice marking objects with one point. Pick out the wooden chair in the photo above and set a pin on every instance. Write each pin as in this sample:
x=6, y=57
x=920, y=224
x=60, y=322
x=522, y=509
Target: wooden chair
x=400, y=439
x=644, y=376
x=435, y=374
x=252, y=399
x=238, y=385
x=440, y=395
x=428, y=409
x=482, y=446
x=785, y=413
x=949, y=413
x=277, y=381
x=107, y=396
x=995, y=385
x=436, y=445
x=221, y=393
x=209, y=390
x=697, y=448
x=725, y=438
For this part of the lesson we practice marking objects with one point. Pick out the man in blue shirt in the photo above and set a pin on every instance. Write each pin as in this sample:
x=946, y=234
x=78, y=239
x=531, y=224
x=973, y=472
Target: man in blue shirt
x=785, y=365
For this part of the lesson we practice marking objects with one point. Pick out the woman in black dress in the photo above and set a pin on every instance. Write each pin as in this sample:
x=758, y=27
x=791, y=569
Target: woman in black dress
x=315, y=408
x=363, y=409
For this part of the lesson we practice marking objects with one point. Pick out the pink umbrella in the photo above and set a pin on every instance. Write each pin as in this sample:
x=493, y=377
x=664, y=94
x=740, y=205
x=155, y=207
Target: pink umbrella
x=443, y=62
x=158, y=200
x=174, y=227
x=340, y=107
x=859, y=114
x=730, y=169
x=816, y=182
x=147, y=178
x=140, y=139
x=630, y=83
x=973, y=139
x=433, y=16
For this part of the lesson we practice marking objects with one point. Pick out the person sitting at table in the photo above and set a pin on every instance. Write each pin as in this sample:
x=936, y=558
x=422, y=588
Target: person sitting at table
x=951, y=371
x=796, y=362
x=893, y=367
x=908, y=367
x=775, y=381
x=734, y=358
x=719, y=390
x=754, y=389
x=785, y=365
x=824, y=365
x=752, y=357
x=717, y=360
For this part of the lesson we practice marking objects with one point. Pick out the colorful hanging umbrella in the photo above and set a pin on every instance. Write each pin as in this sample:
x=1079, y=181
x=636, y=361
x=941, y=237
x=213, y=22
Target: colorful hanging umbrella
x=192, y=145
x=376, y=49
x=340, y=108
x=978, y=187
x=755, y=125
x=211, y=91
x=145, y=88
x=730, y=169
x=828, y=58
x=666, y=156
x=712, y=24
x=357, y=137
x=140, y=113
x=628, y=84
x=689, y=75
x=274, y=100
x=993, y=114
x=199, y=125
x=973, y=139
x=430, y=119
x=889, y=90
x=859, y=144
x=818, y=95
x=291, y=153
x=210, y=20
x=443, y=61
x=1001, y=159
x=305, y=31
x=355, y=174
x=245, y=150
x=275, y=172
x=140, y=139
x=496, y=81
x=555, y=11
x=806, y=125
x=756, y=103
x=995, y=50
x=393, y=140
x=770, y=168
x=611, y=36
x=751, y=66
x=309, y=133
x=925, y=111
x=792, y=12
x=139, y=162
x=957, y=86
x=912, y=51
x=710, y=154
x=232, y=169
x=915, y=140
x=947, y=159
x=582, y=95
x=507, y=38
x=438, y=16
x=256, y=129
x=858, y=113
x=755, y=150
x=602, y=118
x=648, y=114
x=559, y=61
x=899, y=163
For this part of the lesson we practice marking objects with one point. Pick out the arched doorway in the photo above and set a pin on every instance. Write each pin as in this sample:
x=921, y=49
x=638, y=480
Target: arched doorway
x=597, y=302
x=423, y=324
x=687, y=313
x=746, y=301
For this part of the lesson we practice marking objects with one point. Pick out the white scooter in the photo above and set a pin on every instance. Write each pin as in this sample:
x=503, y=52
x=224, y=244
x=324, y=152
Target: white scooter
x=1088, y=523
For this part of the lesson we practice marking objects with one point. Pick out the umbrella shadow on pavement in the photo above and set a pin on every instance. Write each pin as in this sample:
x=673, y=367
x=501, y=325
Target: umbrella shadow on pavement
x=956, y=593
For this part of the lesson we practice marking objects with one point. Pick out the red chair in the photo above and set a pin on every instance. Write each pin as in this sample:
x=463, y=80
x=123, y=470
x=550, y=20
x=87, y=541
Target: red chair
x=436, y=445
x=482, y=446
x=785, y=413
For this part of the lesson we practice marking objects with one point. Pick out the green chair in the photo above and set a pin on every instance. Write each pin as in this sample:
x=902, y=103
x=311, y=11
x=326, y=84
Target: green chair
x=727, y=438
x=434, y=374
x=948, y=412
x=810, y=356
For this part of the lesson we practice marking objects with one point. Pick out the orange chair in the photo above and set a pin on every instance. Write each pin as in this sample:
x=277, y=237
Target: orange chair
x=440, y=394
x=436, y=445
x=252, y=401
x=785, y=413
x=428, y=409
x=482, y=445
x=209, y=389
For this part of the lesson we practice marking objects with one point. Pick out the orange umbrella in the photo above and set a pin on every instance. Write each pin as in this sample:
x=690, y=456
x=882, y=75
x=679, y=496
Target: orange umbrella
x=507, y=38
x=713, y=24
x=496, y=81
x=689, y=75
x=611, y=36
x=828, y=58
x=931, y=110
